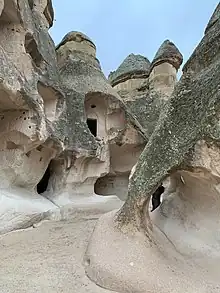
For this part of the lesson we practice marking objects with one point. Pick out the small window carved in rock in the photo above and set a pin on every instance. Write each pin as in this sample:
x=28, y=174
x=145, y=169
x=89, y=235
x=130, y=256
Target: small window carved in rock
x=92, y=125
x=93, y=106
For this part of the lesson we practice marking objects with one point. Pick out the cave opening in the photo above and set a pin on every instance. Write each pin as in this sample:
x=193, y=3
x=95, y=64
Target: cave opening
x=113, y=185
x=32, y=49
x=156, y=197
x=43, y=184
x=92, y=125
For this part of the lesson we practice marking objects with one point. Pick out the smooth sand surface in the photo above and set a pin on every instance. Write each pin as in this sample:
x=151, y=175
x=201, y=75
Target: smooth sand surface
x=47, y=259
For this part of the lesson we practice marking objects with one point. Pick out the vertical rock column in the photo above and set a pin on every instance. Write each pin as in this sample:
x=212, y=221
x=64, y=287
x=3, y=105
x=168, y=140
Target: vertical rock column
x=164, y=67
x=86, y=122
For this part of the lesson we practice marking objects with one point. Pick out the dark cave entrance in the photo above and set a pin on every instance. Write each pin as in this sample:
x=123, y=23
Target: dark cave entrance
x=156, y=197
x=92, y=124
x=43, y=184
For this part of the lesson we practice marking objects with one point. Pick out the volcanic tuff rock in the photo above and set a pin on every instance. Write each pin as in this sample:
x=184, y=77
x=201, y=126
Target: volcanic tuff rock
x=68, y=135
x=30, y=104
x=62, y=122
x=89, y=97
x=71, y=140
x=168, y=53
x=134, y=66
x=145, y=87
x=175, y=248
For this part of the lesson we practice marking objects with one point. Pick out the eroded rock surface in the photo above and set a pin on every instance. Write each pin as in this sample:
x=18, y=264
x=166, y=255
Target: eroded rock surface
x=130, y=73
x=62, y=124
x=95, y=126
x=175, y=248
x=30, y=104
x=145, y=87
x=70, y=138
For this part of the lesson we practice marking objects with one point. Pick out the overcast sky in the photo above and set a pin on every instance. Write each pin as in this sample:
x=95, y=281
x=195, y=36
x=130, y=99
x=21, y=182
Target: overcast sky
x=121, y=27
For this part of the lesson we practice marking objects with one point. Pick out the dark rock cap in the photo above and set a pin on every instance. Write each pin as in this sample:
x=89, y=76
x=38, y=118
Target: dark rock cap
x=134, y=66
x=215, y=17
x=76, y=37
x=169, y=53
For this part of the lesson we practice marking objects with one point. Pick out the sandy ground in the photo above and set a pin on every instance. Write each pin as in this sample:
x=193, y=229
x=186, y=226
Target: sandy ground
x=47, y=259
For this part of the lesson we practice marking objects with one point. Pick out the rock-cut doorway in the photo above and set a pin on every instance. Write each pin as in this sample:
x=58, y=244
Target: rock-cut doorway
x=92, y=125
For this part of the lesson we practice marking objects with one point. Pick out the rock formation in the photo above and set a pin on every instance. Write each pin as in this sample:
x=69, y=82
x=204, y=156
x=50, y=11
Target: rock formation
x=63, y=125
x=131, y=73
x=31, y=102
x=175, y=248
x=145, y=87
x=164, y=68
x=95, y=127
x=70, y=137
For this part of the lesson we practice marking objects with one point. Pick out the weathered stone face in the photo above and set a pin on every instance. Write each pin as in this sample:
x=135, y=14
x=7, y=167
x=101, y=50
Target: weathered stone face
x=144, y=96
x=62, y=120
x=30, y=103
x=30, y=93
x=168, y=53
x=39, y=124
x=178, y=241
x=144, y=87
x=94, y=120
x=131, y=73
x=78, y=42
x=163, y=71
x=214, y=18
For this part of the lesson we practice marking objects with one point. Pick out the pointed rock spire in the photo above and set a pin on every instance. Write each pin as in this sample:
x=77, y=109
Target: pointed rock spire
x=169, y=53
x=215, y=17
x=134, y=66
x=75, y=37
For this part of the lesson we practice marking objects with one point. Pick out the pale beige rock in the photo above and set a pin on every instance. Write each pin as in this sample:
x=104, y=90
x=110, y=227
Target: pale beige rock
x=176, y=247
x=49, y=258
x=162, y=79
x=99, y=103
x=182, y=251
x=164, y=67
x=29, y=93
x=70, y=141
x=130, y=84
